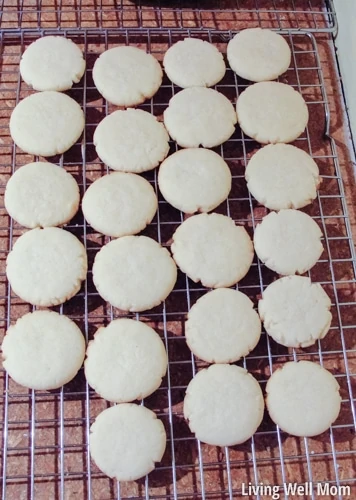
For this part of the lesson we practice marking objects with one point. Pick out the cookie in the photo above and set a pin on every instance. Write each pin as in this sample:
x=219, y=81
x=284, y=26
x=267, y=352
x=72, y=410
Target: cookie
x=41, y=195
x=119, y=204
x=194, y=63
x=295, y=312
x=127, y=76
x=52, y=63
x=210, y=248
x=125, y=361
x=288, y=242
x=258, y=54
x=43, y=350
x=303, y=398
x=222, y=326
x=272, y=112
x=199, y=116
x=126, y=440
x=131, y=140
x=46, y=124
x=46, y=266
x=134, y=273
x=282, y=176
x=194, y=180
x=223, y=405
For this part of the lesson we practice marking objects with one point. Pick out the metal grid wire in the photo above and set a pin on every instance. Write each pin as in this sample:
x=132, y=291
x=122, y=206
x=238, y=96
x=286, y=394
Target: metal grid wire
x=312, y=15
x=45, y=434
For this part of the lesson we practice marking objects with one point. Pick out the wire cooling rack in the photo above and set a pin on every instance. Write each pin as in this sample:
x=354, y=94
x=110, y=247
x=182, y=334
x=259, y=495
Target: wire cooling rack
x=45, y=434
x=312, y=15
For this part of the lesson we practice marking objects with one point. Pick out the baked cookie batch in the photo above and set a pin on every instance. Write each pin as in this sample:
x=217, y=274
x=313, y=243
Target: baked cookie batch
x=127, y=359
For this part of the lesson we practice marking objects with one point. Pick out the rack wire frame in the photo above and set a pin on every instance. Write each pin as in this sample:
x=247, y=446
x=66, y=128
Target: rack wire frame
x=311, y=15
x=45, y=434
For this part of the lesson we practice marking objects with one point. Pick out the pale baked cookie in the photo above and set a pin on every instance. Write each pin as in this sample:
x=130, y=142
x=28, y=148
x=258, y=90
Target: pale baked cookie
x=46, y=123
x=272, y=112
x=199, y=116
x=222, y=326
x=295, y=312
x=52, y=63
x=127, y=76
x=303, y=398
x=125, y=361
x=223, y=405
x=258, y=54
x=126, y=440
x=194, y=63
x=288, y=242
x=194, y=180
x=46, y=266
x=119, y=204
x=43, y=350
x=134, y=273
x=41, y=195
x=282, y=176
x=210, y=248
x=131, y=140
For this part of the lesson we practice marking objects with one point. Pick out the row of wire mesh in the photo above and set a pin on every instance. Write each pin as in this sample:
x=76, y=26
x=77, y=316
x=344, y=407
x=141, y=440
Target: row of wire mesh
x=45, y=434
x=311, y=15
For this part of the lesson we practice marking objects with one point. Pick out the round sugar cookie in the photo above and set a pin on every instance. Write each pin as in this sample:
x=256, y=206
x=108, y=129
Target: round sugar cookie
x=223, y=405
x=288, y=242
x=303, y=398
x=46, y=123
x=272, y=112
x=46, y=266
x=194, y=180
x=41, y=195
x=134, y=273
x=222, y=326
x=199, y=116
x=193, y=62
x=210, y=248
x=125, y=361
x=119, y=204
x=282, y=176
x=295, y=312
x=127, y=76
x=258, y=54
x=52, y=63
x=131, y=140
x=43, y=350
x=126, y=440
